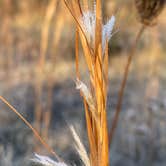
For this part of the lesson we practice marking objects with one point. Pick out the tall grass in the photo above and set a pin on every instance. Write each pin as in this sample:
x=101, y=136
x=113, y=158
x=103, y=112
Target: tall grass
x=94, y=37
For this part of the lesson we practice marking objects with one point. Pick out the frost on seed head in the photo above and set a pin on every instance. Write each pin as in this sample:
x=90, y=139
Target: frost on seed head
x=46, y=161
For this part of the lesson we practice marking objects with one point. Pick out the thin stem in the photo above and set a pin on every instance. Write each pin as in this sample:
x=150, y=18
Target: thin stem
x=123, y=84
x=33, y=129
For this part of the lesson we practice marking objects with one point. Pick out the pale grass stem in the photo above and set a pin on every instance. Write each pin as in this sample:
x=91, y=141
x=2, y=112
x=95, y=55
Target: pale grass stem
x=80, y=147
x=123, y=85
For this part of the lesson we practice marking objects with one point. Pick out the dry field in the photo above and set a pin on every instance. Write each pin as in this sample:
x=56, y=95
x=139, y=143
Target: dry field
x=37, y=77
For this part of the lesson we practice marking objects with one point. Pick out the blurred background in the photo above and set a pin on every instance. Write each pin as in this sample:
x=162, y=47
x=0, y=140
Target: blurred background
x=37, y=73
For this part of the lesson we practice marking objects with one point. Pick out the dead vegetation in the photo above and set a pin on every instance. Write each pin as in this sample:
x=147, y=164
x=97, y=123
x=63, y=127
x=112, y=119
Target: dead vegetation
x=44, y=69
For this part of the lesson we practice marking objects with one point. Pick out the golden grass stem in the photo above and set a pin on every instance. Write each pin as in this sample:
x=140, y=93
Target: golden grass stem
x=50, y=150
x=123, y=84
x=95, y=98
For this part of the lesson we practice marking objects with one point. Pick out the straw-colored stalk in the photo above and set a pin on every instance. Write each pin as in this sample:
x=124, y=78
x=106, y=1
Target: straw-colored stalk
x=123, y=85
x=94, y=38
x=44, y=160
x=35, y=132
x=148, y=11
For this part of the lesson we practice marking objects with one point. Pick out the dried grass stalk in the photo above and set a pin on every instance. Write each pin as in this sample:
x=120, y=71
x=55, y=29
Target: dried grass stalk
x=94, y=38
x=148, y=11
x=35, y=132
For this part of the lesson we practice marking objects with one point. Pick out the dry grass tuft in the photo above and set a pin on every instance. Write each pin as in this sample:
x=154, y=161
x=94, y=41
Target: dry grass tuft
x=94, y=37
x=148, y=10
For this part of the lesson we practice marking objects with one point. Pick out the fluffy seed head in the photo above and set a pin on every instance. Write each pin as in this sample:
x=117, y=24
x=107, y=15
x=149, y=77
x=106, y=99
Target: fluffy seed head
x=88, y=23
x=85, y=92
x=80, y=147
